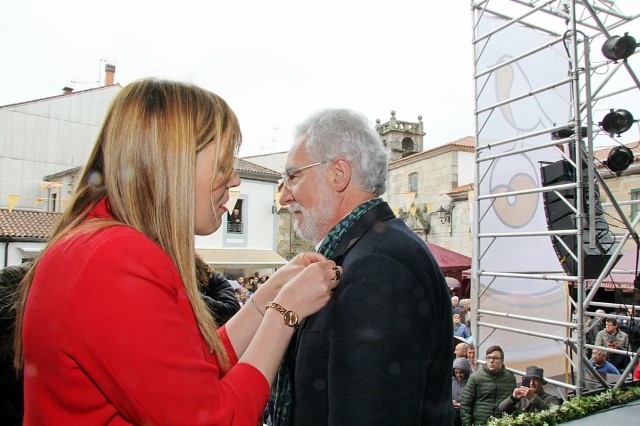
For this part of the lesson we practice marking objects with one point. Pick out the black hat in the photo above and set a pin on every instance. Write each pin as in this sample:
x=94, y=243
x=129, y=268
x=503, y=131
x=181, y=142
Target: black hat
x=537, y=372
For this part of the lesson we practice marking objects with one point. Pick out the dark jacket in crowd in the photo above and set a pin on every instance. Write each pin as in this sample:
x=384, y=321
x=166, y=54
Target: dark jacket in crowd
x=483, y=394
x=541, y=401
x=220, y=298
x=457, y=386
x=11, y=401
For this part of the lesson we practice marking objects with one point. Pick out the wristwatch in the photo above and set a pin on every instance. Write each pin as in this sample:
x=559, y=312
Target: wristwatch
x=290, y=317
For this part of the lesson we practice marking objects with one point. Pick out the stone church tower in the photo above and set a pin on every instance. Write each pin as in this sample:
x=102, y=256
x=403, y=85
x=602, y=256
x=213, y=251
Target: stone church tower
x=401, y=137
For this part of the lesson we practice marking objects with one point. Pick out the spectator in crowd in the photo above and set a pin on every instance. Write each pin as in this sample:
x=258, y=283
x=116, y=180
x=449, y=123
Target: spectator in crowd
x=611, y=330
x=392, y=324
x=460, y=351
x=234, y=217
x=471, y=356
x=486, y=388
x=251, y=286
x=461, y=372
x=455, y=304
x=619, y=361
x=217, y=292
x=11, y=400
x=595, y=326
x=240, y=281
x=530, y=396
x=459, y=329
x=466, y=306
x=111, y=327
x=243, y=295
x=631, y=326
x=599, y=361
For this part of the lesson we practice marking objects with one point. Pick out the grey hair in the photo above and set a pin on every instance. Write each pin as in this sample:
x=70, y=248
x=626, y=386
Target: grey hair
x=333, y=133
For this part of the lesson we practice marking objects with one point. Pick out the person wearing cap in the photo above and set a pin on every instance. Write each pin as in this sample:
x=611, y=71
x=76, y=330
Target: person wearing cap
x=526, y=399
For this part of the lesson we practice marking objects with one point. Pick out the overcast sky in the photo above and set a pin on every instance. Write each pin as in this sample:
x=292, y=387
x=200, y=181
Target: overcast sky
x=273, y=61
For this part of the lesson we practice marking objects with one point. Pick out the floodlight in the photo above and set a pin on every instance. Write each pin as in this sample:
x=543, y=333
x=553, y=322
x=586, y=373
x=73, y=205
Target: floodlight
x=617, y=121
x=619, y=159
x=619, y=47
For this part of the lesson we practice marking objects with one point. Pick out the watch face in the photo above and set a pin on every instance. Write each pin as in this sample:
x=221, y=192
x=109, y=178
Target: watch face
x=291, y=318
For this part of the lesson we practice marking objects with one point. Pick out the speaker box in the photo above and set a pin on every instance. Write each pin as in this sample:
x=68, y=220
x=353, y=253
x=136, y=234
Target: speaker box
x=560, y=217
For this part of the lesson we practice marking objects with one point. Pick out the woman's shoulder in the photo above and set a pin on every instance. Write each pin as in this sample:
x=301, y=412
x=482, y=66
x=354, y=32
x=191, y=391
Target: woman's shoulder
x=119, y=236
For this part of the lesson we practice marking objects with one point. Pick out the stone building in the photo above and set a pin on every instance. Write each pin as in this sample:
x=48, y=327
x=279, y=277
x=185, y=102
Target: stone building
x=432, y=191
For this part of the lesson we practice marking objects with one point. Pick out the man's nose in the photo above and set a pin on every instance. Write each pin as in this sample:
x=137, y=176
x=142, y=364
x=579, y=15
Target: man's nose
x=286, y=197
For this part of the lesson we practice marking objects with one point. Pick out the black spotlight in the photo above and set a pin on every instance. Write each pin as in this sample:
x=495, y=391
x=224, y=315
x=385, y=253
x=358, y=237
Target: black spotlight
x=618, y=121
x=619, y=159
x=619, y=47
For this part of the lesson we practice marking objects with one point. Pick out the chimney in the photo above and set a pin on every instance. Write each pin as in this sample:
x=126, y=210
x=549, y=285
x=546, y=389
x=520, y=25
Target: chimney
x=67, y=90
x=109, y=72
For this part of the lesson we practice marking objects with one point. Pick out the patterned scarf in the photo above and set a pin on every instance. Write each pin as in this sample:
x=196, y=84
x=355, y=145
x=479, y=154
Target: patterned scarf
x=280, y=400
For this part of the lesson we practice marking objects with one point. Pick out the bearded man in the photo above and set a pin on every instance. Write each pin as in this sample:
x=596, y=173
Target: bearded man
x=380, y=351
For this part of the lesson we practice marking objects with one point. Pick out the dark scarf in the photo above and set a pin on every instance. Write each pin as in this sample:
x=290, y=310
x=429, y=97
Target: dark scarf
x=281, y=400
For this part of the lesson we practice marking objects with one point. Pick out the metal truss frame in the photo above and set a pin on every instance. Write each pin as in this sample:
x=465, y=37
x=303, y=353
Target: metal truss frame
x=574, y=23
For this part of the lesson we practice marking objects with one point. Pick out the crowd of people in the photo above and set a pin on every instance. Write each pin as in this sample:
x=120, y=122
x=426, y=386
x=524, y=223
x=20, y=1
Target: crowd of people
x=483, y=390
x=480, y=392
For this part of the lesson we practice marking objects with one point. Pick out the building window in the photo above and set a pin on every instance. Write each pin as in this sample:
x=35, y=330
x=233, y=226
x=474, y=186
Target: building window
x=635, y=208
x=413, y=182
x=234, y=219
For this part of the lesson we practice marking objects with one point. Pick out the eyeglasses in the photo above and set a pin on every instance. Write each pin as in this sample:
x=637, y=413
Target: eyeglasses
x=493, y=358
x=288, y=176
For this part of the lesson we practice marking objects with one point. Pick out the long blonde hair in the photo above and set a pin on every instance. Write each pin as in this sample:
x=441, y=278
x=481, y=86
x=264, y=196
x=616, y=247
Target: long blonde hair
x=144, y=163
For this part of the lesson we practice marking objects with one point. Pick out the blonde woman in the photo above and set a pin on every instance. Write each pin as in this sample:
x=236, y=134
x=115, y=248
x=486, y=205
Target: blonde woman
x=111, y=328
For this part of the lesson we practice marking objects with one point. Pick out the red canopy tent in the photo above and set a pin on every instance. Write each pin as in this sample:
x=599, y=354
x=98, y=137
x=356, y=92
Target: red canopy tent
x=452, y=264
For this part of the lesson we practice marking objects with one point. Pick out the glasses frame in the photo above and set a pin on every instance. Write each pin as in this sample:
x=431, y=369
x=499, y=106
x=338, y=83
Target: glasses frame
x=493, y=358
x=286, y=175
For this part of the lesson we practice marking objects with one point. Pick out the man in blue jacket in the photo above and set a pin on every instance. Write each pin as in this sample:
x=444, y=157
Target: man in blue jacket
x=380, y=352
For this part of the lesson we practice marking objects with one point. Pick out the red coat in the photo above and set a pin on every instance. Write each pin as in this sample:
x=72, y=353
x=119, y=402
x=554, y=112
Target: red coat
x=110, y=338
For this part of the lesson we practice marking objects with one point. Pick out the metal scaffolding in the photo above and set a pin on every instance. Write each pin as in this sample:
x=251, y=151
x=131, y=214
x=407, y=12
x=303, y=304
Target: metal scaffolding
x=542, y=84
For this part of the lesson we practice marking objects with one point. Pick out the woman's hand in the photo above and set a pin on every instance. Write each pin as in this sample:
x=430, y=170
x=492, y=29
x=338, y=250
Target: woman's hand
x=283, y=275
x=310, y=290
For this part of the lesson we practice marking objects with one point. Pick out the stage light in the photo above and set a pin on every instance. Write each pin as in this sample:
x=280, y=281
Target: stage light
x=617, y=122
x=619, y=47
x=619, y=159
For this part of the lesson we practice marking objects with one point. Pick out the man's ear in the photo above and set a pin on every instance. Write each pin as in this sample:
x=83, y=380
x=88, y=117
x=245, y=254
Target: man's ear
x=341, y=174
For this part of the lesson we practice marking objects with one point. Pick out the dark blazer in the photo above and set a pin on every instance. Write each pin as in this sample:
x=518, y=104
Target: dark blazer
x=380, y=352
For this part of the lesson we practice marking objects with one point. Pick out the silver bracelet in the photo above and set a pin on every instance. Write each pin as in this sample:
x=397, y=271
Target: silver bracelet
x=256, y=305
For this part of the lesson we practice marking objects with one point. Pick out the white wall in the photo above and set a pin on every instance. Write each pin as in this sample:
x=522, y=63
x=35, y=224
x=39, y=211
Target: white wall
x=260, y=224
x=466, y=167
x=12, y=253
x=47, y=136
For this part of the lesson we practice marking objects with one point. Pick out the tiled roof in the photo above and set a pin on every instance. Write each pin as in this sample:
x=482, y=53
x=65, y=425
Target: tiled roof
x=254, y=169
x=460, y=189
x=27, y=224
x=61, y=95
x=465, y=144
